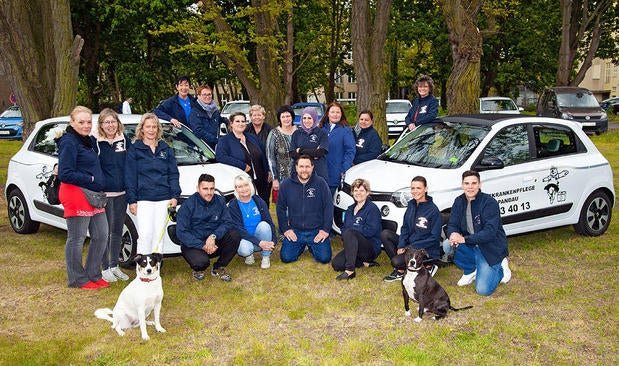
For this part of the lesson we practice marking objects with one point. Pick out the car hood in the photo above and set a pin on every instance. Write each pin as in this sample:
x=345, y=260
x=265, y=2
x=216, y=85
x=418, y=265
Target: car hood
x=224, y=176
x=592, y=111
x=396, y=116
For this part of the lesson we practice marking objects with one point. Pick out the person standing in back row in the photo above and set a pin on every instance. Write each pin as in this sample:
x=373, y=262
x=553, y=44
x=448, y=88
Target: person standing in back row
x=341, y=144
x=425, y=107
x=177, y=108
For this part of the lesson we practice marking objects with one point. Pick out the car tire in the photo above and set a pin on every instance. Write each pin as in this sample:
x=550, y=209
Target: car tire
x=19, y=215
x=595, y=215
x=128, y=244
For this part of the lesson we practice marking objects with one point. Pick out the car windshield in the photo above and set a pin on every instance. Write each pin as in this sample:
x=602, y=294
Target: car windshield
x=299, y=110
x=495, y=105
x=577, y=100
x=188, y=149
x=442, y=145
x=235, y=107
x=11, y=113
x=398, y=107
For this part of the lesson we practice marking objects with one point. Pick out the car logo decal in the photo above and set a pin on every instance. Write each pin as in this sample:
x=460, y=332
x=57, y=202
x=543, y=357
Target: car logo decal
x=552, y=188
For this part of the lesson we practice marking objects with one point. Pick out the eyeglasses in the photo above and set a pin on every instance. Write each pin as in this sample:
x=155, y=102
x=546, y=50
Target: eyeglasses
x=206, y=95
x=109, y=122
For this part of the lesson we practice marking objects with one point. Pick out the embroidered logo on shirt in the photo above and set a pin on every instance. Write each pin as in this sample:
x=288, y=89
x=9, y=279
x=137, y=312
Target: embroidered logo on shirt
x=423, y=109
x=311, y=192
x=360, y=142
x=163, y=155
x=313, y=138
x=358, y=220
x=119, y=146
x=422, y=223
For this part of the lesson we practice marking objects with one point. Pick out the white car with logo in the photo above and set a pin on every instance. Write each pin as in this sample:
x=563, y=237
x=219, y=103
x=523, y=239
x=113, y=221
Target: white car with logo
x=32, y=165
x=544, y=172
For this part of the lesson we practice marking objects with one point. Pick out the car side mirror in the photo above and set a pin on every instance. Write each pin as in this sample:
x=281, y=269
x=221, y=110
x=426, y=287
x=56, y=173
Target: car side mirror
x=489, y=164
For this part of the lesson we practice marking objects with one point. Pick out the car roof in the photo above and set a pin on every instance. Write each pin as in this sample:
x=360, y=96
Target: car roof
x=495, y=98
x=308, y=104
x=125, y=119
x=569, y=89
x=397, y=101
x=487, y=119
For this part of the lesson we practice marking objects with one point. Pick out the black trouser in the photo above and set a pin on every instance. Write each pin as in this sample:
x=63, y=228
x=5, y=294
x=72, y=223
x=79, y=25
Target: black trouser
x=357, y=249
x=263, y=189
x=390, y=242
x=226, y=250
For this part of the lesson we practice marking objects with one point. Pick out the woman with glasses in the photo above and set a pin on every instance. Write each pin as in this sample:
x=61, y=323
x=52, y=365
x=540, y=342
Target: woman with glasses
x=205, y=118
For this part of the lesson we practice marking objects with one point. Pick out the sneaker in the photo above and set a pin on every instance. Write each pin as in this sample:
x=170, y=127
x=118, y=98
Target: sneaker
x=507, y=273
x=198, y=275
x=249, y=260
x=394, y=276
x=89, y=286
x=433, y=270
x=119, y=274
x=467, y=279
x=108, y=276
x=266, y=263
x=102, y=283
x=345, y=276
x=221, y=274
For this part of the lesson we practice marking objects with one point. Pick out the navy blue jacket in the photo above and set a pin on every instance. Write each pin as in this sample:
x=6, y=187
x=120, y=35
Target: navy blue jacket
x=341, y=152
x=203, y=126
x=78, y=163
x=197, y=219
x=237, y=218
x=171, y=108
x=112, y=158
x=367, y=221
x=489, y=234
x=368, y=145
x=424, y=110
x=230, y=151
x=314, y=144
x=151, y=177
x=421, y=227
x=306, y=206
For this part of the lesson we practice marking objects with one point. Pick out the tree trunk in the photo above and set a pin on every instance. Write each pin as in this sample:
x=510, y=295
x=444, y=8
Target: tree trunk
x=41, y=57
x=289, y=62
x=465, y=40
x=368, y=40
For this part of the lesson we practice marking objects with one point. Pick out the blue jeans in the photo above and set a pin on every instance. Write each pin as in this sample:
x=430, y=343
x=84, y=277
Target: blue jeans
x=263, y=232
x=291, y=250
x=469, y=259
x=77, y=227
x=115, y=211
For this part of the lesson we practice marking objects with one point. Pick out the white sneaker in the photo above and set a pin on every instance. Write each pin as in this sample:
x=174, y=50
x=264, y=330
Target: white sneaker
x=507, y=273
x=249, y=260
x=266, y=263
x=467, y=279
x=119, y=274
x=108, y=276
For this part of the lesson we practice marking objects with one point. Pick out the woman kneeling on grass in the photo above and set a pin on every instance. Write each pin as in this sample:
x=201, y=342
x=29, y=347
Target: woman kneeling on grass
x=360, y=233
x=78, y=167
x=251, y=216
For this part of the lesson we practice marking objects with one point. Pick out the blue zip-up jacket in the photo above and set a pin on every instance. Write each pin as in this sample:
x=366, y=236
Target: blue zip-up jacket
x=203, y=126
x=230, y=151
x=489, y=234
x=306, y=206
x=78, y=163
x=341, y=152
x=314, y=144
x=151, y=177
x=112, y=158
x=368, y=145
x=197, y=219
x=424, y=110
x=171, y=108
x=421, y=227
x=367, y=221
x=237, y=218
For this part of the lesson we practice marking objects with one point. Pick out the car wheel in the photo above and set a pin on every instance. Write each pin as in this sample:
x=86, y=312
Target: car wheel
x=128, y=244
x=595, y=215
x=18, y=213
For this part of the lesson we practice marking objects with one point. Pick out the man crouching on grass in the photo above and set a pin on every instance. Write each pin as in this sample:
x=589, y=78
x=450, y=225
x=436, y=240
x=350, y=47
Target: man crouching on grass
x=204, y=227
x=475, y=222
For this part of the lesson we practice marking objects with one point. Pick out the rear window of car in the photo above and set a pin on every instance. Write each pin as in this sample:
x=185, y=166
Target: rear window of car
x=555, y=141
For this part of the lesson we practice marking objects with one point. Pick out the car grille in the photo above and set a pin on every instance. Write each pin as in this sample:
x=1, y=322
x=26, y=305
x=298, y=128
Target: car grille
x=374, y=196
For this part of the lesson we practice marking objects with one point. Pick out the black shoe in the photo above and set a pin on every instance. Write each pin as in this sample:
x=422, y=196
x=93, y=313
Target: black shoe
x=394, y=276
x=198, y=275
x=372, y=264
x=345, y=276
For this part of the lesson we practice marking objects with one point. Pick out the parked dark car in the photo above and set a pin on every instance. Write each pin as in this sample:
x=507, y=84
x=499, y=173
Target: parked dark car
x=573, y=103
x=11, y=123
x=610, y=105
x=299, y=107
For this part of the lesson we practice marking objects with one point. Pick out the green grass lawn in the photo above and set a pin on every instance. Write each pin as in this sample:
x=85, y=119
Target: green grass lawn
x=559, y=308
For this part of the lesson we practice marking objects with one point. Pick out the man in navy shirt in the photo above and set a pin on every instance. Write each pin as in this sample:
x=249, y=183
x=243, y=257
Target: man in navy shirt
x=176, y=109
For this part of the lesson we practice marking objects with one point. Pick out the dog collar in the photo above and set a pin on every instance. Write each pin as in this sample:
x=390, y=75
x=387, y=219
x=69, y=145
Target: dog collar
x=147, y=279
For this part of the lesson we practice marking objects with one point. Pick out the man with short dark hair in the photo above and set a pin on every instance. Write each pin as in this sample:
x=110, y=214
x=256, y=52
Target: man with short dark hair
x=204, y=227
x=176, y=109
x=476, y=232
x=305, y=213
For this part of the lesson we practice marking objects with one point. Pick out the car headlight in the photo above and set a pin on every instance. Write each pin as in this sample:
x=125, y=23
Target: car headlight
x=20, y=124
x=604, y=115
x=401, y=197
x=566, y=116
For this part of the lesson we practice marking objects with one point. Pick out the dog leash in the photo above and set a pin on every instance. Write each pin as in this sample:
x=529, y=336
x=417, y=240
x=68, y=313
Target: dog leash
x=165, y=226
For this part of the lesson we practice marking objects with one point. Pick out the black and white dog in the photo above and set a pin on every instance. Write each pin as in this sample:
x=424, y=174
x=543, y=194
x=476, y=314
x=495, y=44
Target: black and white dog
x=418, y=285
x=142, y=296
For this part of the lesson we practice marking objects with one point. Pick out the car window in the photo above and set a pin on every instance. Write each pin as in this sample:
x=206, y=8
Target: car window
x=11, y=113
x=398, y=107
x=44, y=141
x=498, y=105
x=575, y=100
x=511, y=145
x=554, y=141
x=188, y=149
x=235, y=107
x=437, y=145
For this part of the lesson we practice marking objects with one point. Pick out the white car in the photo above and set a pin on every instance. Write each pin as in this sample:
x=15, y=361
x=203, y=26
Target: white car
x=236, y=106
x=544, y=172
x=397, y=109
x=32, y=165
x=502, y=105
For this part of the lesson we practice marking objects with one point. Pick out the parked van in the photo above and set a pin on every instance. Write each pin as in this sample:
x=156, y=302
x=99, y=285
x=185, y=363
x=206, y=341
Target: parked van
x=573, y=103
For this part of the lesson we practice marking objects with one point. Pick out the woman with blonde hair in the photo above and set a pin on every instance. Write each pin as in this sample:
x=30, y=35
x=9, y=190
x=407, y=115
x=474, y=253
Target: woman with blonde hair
x=151, y=178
